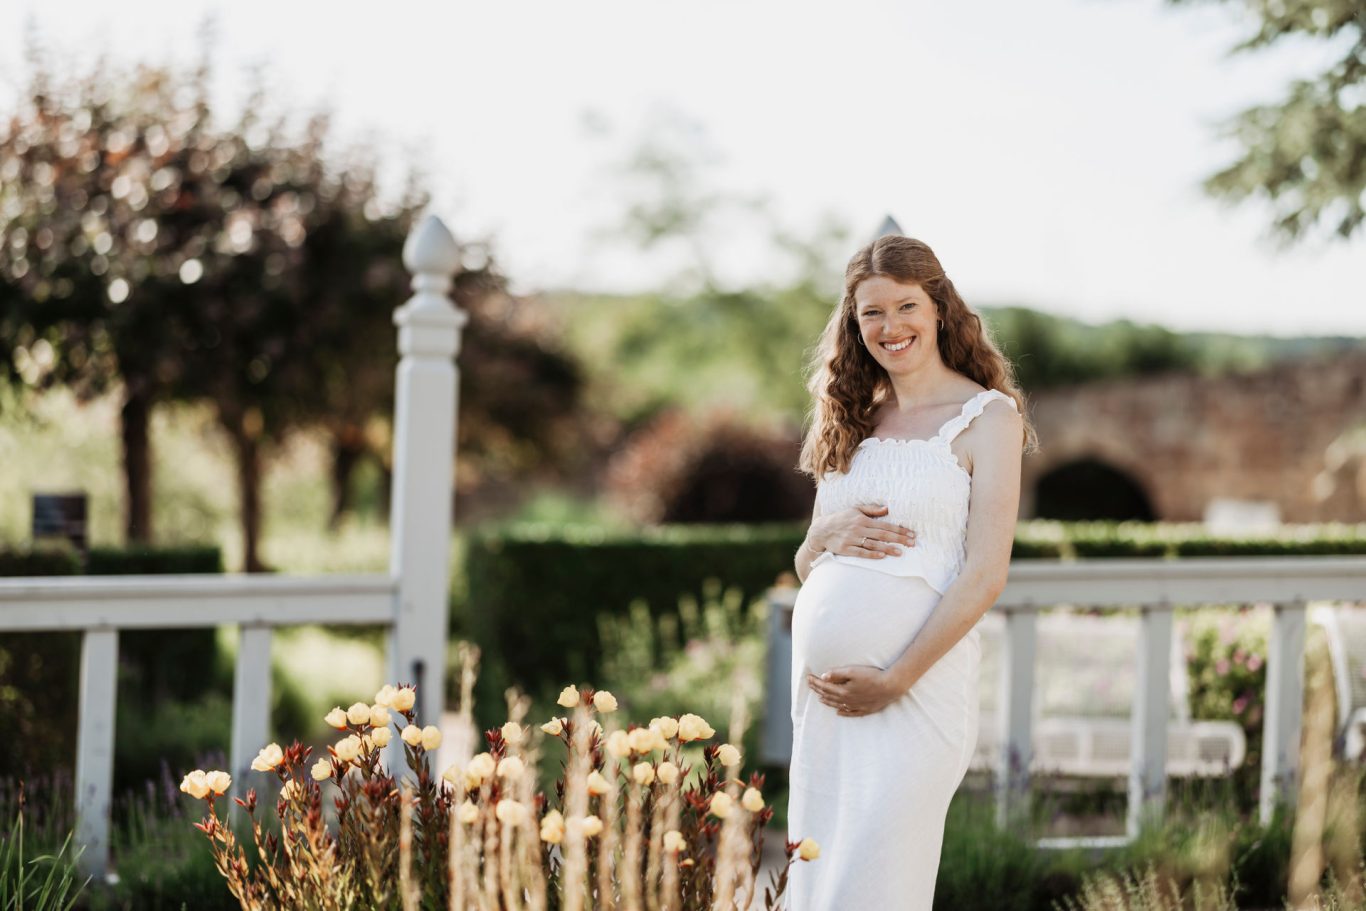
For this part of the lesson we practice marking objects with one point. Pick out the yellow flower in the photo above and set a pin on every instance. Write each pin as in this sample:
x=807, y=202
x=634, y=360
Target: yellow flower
x=321, y=771
x=348, y=748
x=693, y=727
x=379, y=716
x=510, y=811
x=673, y=841
x=512, y=732
x=643, y=740
x=195, y=785
x=511, y=767
x=597, y=785
x=454, y=774
x=721, y=804
x=569, y=696
x=468, y=812
x=729, y=755
x=643, y=773
x=553, y=727
x=591, y=825
x=667, y=772
x=753, y=800
x=665, y=725
x=336, y=718
x=619, y=744
x=359, y=713
x=808, y=849
x=412, y=735
x=431, y=737
x=552, y=827
x=291, y=790
x=380, y=737
x=604, y=701
x=404, y=698
x=385, y=696
x=269, y=757
x=482, y=765
x=218, y=782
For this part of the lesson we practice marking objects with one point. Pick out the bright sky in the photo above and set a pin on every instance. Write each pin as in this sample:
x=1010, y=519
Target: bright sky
x=1050, y=152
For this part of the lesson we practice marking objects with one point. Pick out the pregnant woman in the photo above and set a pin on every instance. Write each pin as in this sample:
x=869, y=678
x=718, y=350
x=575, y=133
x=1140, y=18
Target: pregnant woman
x=915, y=445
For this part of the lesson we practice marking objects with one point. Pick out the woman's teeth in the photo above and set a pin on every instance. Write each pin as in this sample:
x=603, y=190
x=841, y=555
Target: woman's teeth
x=899, y=345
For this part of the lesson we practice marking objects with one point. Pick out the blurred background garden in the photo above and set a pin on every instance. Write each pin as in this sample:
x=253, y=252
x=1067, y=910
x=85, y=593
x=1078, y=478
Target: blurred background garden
x=201, y=254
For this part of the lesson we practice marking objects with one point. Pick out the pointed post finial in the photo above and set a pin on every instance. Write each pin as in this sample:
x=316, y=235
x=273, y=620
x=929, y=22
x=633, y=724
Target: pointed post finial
x=888, y=226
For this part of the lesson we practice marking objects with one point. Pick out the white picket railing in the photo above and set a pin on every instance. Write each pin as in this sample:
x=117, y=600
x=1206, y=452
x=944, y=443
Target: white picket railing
x=1154, y=587
x=411, y=601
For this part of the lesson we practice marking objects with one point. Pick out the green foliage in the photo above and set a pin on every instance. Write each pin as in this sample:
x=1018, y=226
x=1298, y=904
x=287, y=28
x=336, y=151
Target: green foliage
x=1305, y=151
x=48, y=882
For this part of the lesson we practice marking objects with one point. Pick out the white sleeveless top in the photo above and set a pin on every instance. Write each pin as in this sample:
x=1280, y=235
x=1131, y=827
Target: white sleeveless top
x=925, y=488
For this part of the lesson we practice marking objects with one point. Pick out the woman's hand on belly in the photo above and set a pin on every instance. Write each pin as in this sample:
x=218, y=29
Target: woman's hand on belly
x=855, y=689
x=857, y=532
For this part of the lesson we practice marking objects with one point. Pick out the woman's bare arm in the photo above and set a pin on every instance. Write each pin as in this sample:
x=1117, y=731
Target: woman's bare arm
x=811, y=547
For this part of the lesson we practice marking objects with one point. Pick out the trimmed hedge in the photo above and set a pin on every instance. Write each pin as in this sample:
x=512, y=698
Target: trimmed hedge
x=535, y=591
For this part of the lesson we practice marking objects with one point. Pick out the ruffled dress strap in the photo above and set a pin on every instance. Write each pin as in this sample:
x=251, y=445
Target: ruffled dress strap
x=971, y=408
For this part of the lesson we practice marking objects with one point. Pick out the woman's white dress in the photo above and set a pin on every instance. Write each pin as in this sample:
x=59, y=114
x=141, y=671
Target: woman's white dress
x=873, y=790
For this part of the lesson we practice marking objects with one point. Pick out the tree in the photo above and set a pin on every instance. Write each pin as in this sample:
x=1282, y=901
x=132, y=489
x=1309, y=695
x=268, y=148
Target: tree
x=1307, y=152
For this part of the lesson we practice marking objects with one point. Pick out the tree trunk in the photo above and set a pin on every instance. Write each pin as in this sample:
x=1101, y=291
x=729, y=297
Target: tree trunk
x=134, y=419
x=346, y=455
x=247, y=448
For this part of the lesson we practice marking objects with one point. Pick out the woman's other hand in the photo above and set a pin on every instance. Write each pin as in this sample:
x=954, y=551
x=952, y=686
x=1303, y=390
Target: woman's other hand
x=857, y=532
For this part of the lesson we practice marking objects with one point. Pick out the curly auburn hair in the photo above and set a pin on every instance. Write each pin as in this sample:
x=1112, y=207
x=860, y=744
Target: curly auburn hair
x=848, y=385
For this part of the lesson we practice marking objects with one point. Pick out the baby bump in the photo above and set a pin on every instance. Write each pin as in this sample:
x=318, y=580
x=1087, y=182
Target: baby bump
x=846, y=614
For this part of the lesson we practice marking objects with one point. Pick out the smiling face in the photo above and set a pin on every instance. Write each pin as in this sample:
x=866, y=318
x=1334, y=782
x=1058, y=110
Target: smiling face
x=899, y=322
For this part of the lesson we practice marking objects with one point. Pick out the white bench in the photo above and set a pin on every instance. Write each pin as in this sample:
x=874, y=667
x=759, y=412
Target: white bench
x=1085, y=680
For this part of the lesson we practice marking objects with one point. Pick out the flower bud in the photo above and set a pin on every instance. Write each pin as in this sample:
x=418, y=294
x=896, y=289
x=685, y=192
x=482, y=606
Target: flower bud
x=604, y=701
x=643, y=740
x=667, y=772
x=591, y=825
x=511, y=767
x=359, y=713
x=291, y=790
x=673, y=841
x=643, y=773
x=552, y=827
x=218, y=782
x=385, y=696
x=510, y=811
x=808, y=849
x=321, y=771
x=412, y=735
x=666, y=726
x=619, y=744
x=269, y=757
x=729, y=755
x=195, y=785
x=693, y=727
x=512, y=732
x=468, y=812
x=379, y=716
x=721, y=804
x=753, y=800
x=348, y=748
x=553, y=727
x=336, y=718
x=569, y=697
x=380, y=737
x=597, y=784
x=431, y=737
x=482, y=765
x=404, y=699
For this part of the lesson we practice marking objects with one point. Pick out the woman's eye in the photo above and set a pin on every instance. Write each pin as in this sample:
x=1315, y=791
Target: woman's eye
x=908, y=304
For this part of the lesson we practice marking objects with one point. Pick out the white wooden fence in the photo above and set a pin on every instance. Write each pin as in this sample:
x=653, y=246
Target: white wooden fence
x=1154, y=586
x=411, y=600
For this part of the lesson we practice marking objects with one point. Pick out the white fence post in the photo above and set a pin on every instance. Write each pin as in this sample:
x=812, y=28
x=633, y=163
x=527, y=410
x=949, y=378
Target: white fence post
x=250, y=703
x=1148, y=740
x=95, y=747
x=1284, y=695
x=1017, y=703
x=429, y=328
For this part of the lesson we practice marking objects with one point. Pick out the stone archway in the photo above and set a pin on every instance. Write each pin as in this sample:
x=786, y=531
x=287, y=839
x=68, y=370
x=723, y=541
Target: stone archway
x=1089, y=488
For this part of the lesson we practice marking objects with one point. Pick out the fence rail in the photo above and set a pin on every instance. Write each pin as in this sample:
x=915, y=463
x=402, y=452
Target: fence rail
x=1154, y=587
